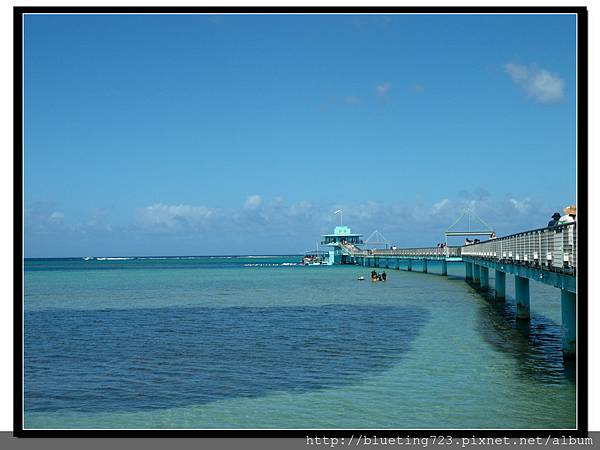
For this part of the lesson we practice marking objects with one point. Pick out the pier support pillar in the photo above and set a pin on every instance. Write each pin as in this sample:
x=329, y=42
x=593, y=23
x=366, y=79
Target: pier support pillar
x=500, y=285
x=398, y=263
x=424, y=266
x=444, y=267
x=568, y=301
x=484, y=277
x=409, y=268
x=522, y=294
x=476, y=273
x=469, y=271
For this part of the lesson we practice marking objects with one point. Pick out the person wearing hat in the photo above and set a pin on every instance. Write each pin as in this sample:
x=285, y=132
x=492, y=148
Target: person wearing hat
x=554, y=220
x=570, y=212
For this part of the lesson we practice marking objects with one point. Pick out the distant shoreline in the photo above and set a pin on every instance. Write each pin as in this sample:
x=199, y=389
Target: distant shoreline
x=46, y=258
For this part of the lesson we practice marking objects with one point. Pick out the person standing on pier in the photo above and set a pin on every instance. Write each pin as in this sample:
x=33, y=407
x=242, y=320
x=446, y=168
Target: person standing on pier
x=554, y=221
x=570, y=213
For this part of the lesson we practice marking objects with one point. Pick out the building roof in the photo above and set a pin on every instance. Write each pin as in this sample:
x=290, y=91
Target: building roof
x=342, y=231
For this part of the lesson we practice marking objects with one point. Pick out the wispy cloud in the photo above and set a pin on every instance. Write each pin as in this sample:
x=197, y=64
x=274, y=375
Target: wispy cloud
x=521, y=205
x=253, y=201
x=423, y=223
x=437, y=207
x=44, y=217
x=537, y=82
x=351, y=100
x=56, y=218
x=173, y=218
x=282, y=226
x=383, y=89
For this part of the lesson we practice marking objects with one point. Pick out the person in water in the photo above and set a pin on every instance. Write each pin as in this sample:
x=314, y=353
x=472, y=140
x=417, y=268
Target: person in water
x=373, y=276
x=383, y=276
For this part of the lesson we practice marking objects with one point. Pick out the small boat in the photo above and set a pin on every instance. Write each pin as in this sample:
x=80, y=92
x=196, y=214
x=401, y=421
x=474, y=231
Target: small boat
x=315, y=258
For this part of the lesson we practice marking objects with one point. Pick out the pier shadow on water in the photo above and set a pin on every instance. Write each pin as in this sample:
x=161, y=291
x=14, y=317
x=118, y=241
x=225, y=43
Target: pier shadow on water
x=140, y=359
x=536, y=344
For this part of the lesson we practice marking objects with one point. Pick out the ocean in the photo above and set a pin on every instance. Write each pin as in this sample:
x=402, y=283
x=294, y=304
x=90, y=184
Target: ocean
x=265, y=343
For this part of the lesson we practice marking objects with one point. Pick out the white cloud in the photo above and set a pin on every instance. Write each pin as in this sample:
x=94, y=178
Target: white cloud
x=546, y=87
x=43, y=217
x=278, y=202
x=56, y=218
x=272, y=221
x=421, y=223
x=436, y=207
x=522, y=206
x=253, y=201
x=383, y=89
x=538, y=83
x=351, y=100
x=517, y=72
x=160, y=217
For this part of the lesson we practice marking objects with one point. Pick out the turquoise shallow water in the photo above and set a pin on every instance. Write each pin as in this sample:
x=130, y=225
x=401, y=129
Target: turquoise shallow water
x=259, y=343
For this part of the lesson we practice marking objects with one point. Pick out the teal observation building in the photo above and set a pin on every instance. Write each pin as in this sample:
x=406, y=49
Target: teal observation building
x=341, y=244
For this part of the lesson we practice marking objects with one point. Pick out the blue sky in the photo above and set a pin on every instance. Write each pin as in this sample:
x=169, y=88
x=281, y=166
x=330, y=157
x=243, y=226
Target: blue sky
x=165, y=135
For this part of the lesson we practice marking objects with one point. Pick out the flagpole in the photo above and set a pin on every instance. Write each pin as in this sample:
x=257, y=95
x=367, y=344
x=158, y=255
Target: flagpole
x=341, y=216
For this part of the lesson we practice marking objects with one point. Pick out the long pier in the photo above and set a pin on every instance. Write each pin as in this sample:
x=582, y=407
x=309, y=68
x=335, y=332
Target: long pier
x=546, y=255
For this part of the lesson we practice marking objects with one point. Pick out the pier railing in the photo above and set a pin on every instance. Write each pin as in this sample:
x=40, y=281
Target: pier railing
x=435, y=252
x=421, y=252
x=552, y=249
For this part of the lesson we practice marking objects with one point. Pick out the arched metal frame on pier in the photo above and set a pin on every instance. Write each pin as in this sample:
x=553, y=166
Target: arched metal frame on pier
x=486, y=231
x=376, y=238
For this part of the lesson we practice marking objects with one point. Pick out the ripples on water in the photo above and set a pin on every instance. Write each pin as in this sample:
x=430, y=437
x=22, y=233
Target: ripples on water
x=535, y=344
